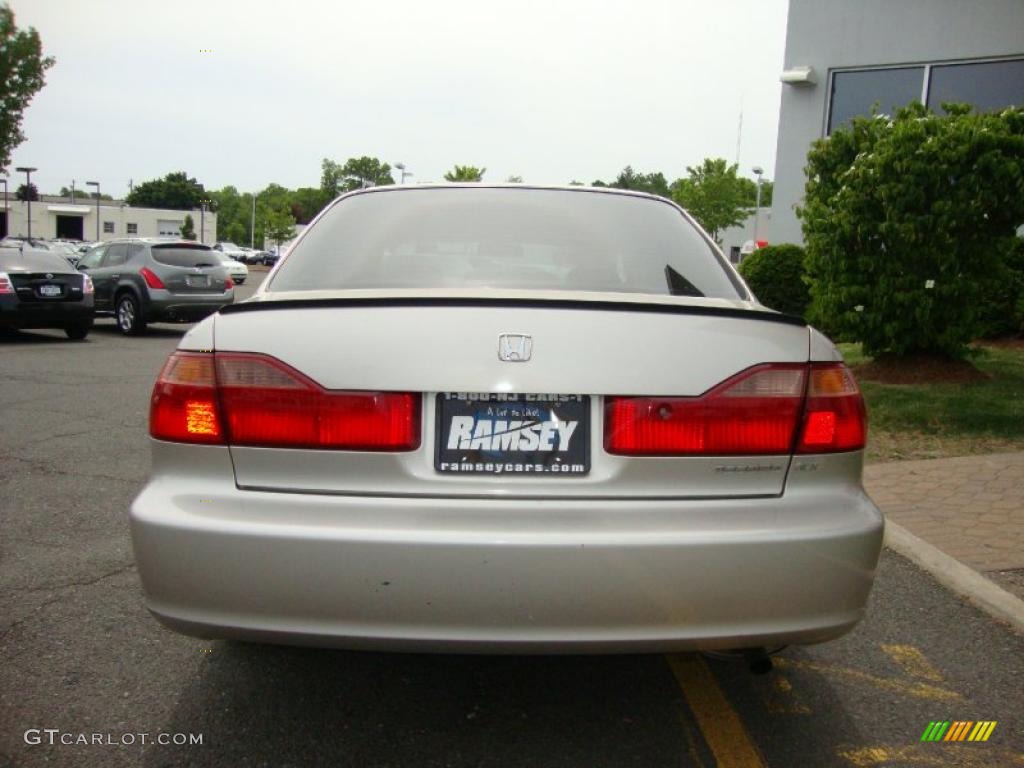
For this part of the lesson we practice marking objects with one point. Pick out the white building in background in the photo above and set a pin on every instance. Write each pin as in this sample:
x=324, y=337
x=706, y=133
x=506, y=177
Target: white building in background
x=842, y=57
x=741, y=240
x=57, y=217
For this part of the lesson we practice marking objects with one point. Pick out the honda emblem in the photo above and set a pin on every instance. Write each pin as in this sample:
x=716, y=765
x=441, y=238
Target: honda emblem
x=515, y=347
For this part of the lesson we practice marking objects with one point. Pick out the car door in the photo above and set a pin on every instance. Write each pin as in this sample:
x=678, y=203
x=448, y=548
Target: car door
x=106, y=278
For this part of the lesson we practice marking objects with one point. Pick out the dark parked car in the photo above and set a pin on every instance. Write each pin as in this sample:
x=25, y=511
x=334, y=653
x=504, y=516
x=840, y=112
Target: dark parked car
x=39, y=289
x=148, y=280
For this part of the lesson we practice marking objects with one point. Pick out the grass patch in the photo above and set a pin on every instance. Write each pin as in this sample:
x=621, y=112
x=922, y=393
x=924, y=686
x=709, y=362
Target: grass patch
x=923, y=421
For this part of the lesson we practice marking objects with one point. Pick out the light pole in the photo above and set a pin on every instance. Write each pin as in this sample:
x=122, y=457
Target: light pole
x=97, y=185
x=7, y=213
x=28, y=193
x=252, y=225
x=758, y=170
x=202, y=219
x=401, y=168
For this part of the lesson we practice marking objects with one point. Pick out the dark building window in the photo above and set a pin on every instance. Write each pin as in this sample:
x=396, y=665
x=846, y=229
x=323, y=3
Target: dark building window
x=987, y=85
x=854, y=93
x=734, y=254
x=108, y=227
x=133, y=229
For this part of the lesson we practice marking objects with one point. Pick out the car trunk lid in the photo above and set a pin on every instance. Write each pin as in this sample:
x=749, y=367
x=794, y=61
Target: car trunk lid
x=451, y=351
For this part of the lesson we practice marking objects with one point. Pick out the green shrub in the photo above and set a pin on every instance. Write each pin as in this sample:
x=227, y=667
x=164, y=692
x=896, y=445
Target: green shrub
x=907, y=220
x=776, y=276
x=1002, y=313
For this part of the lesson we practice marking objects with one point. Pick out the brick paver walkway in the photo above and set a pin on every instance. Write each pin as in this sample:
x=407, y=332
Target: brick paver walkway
x=970, y=507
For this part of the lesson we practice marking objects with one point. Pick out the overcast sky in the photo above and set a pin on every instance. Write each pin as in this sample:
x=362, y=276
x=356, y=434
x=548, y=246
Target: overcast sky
x=549, y=90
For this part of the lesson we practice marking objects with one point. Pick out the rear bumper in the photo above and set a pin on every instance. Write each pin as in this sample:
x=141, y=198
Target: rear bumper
x=495, y=575
x=57, y=314
x=164, y=306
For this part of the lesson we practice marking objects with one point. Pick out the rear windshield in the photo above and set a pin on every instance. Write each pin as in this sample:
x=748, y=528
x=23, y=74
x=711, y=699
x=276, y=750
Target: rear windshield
x=11, y=260
x=506, y=239
x=185, y=256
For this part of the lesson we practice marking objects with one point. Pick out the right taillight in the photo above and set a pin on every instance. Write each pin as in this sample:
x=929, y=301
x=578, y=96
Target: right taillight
x=767, y=410
x=256, y=400
x=835, y=418
x=753, y=413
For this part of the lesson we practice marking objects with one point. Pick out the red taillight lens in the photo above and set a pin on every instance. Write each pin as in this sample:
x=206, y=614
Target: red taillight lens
x=151, y=278
x=755, y=412
x=87, y=286
x=5, y=283
x=184, y=404
x=228, y=283
x=260, y=401
x=835, y=418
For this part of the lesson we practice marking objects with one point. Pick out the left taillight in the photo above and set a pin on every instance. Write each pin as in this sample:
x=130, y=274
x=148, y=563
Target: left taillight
x=152, y=279
x=256, y=400
x=5, y=284
x=184, y=405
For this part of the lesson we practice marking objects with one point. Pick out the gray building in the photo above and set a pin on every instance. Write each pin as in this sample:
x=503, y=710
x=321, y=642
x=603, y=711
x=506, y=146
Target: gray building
x=60, y=217
x=843, y=56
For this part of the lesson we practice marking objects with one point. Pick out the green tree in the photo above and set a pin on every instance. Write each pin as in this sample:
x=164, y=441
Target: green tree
x=357, y=172
x=514, y=180
x=233, y=214
x=307, y=202
x=750, y=192
x=188, y=228
x=279, y=226
x=176, y=191
x=465, y=173
x=29, y=192
x=777, y=277
x=652, y=183
x=713, y=194
x=22, y=75
x=82, y=193
x=906, y=219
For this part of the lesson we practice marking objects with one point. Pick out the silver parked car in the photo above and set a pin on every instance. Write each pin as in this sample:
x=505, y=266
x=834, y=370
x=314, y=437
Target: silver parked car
x=506, y=419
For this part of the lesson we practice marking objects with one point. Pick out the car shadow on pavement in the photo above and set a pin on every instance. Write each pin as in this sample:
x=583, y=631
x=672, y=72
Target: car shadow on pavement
x=109, y=328
x=34, y=337
x=296, y=706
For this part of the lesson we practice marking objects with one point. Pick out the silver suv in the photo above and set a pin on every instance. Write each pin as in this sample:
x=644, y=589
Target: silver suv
x=147, y=280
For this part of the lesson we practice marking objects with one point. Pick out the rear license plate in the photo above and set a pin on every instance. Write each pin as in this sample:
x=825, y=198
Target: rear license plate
x=197, y=281
x=508, y=434
x=49, y=290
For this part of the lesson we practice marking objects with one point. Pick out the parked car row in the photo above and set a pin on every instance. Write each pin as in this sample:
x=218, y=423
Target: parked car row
x=246, y=255
x=137, y=281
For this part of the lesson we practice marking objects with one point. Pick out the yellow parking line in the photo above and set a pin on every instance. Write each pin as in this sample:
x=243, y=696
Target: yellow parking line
x=720, y=725
x=914, y=662
x=915, y=689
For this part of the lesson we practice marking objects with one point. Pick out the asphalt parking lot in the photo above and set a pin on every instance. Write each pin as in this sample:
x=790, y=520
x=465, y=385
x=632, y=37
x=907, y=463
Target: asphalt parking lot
x=79, y=655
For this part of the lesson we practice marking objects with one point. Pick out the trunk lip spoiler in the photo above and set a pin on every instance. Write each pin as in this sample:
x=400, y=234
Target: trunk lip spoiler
x=534, y=303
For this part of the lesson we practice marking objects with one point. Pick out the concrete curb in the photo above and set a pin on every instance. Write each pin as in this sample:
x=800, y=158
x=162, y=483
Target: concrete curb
x=956, y=576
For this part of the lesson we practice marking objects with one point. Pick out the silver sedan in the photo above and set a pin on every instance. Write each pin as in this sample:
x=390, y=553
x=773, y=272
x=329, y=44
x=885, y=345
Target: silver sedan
x=506, y=419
